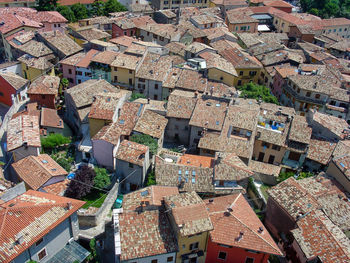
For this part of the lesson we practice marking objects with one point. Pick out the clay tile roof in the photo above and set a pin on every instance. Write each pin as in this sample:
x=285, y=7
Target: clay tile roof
x=61, y=42
x=320, y=151
x=342, y=148
x=242, y=221
x=209, y=113
x=191, y=80
x=286, y=71
x=277, y=3
x=105, y=104
x=189, y=213
x=50, y=118
x=129, y=114
x=45, y=85
x=12, y=22
x=125, y=41
x=196, y=160
x=57, y=188
x=35, y=171
x=151, y=123
x=176, y=48
x=264, y=168
x=73, y=60
x=93, y=33
x=16, y=81
x=230, y=167
x=31, y=215
x=240, y=16
x=126, y=61
x=300, y=130
x=330, y=122
x=317, y=236
x=240, y=59
x=84, y=93
x=41, y=63
x=23, y=129
x=337, y=21
x=192, y=177
x=86, y=60
x=132, y=152
x=35, y=48
x=105, y=57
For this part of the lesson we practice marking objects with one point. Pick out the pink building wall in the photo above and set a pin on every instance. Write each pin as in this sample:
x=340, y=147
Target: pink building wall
x=117, y=31
x=278, y=83
x=70, y=75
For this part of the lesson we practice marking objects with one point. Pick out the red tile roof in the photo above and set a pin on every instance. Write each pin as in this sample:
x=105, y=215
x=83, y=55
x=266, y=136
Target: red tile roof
x=132, y=152
x=197, y=160
x=28, y=218
x=35, y=171
x=241, y=219
x=50, y=118
x=45, y=85
x=85, y=61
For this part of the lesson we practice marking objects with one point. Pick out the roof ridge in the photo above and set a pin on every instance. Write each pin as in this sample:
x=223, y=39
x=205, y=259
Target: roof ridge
x=252, y=230
x=3, y=222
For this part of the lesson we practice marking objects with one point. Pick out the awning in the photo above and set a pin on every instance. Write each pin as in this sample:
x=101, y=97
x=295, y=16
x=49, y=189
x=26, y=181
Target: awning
x=72, y=252
x=263, y=28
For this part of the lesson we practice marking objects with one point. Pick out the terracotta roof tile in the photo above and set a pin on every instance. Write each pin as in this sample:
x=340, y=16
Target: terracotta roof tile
x=246, y=230
x=45, y=85
x=151, y=123
x=31, y=215
x=50, y=118
x=320, y=151
x=23, y=129
x=35, y=171
x=132, y=152
x=16, y=81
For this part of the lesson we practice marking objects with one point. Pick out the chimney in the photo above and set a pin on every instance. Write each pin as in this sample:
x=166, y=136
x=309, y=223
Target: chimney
x=239, y=238
x=196, y=94
x=148, y=100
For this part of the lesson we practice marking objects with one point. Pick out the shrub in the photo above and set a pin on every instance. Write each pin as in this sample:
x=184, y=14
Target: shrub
x=54, y=140
x=101, y=179
x=255, y=91
x=151, y=178
x=82, y=183
x=145, y=140
x=136, y=96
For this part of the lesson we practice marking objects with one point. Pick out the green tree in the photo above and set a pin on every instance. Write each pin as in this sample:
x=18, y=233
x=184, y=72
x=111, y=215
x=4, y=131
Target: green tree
x=66, y=12
x=136, y=96
x=145, y=140
x=93, y=257
x=284, y=176
x=98, y=8
x=101, y=179
x=46, y=5
x=80, y=11
x=254, y=91
x=151, y=178
x=314, y=11
x=112, y=6
x=54, y=140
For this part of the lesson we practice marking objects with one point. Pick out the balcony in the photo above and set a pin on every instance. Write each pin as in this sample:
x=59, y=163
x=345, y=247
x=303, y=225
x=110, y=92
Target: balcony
x=336, y=108
x=302, y=98
x=291, y=163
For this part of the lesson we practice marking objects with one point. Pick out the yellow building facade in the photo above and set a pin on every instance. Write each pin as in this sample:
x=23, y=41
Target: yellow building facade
x=222, y=76
x=246, y=75
x=190, y=243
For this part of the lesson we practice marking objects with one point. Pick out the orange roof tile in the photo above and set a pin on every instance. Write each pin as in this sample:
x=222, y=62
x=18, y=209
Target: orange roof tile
x=246, y=230
x=197, y=160
x=31, y=216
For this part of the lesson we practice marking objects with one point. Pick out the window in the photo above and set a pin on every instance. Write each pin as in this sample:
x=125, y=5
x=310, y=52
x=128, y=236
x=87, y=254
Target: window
x=54, y=25
x=222, y=255
x=239, y=83
x=70, y=80
x=1, y=94
x=130, y=81
x=43, y=97
x=334, y=30
x=115, y=78
x=308, y=94
x=276, y=147
x=199, y=133
x=166, y=2
x=317, y=96
x=243, y=28
x=236, y=28
x=155, y=86
x=241, y=73
x=37, y=243
x=130, y=71
x=69, y=71
x=194, y=246
x=155, y=97
x=125, y=33
x=115, y=69
x=79, y=73
x=298, y=90
x=131, y=165
x=154, y=261
x=249, y=260
x=148, y=32
x=169, y=259
x=42, y=254
x=271, y=159
x=252, y=73
x=265, y=144
x=340, y=29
